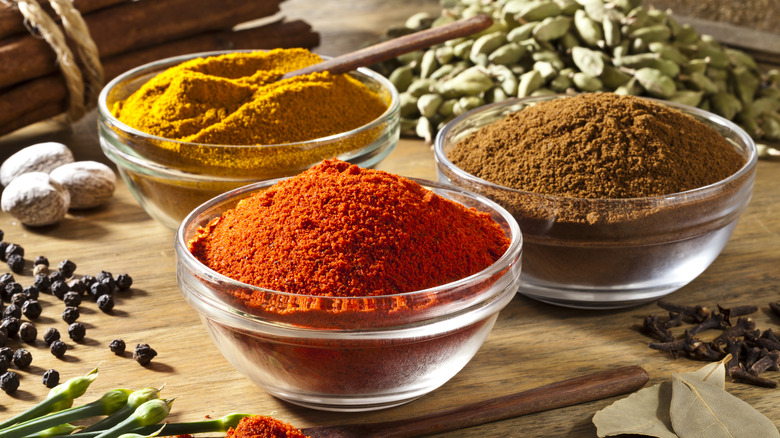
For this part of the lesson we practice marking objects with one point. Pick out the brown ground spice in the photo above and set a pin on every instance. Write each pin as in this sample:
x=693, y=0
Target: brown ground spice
x=598, y=145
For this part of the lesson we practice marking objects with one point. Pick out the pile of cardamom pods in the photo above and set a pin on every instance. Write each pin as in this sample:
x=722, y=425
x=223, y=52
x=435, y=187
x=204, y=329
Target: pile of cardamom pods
x=537, y=47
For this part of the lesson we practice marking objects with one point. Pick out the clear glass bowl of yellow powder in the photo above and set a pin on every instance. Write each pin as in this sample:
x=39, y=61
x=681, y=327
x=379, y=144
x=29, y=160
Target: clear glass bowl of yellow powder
x=185, y=129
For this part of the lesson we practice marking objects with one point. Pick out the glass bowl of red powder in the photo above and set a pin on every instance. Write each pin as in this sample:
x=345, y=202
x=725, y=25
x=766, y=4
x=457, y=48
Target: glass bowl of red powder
x=569, y=171
x=170, y=177
x=351, y=352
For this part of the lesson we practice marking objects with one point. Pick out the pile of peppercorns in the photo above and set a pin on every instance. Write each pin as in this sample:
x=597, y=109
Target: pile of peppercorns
x=17, y=302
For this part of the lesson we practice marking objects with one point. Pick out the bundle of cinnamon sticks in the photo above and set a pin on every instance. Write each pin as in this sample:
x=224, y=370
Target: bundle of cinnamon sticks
x=129, y=33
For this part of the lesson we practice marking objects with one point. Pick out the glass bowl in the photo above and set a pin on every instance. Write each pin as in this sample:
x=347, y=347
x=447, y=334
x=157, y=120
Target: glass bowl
x=662, y=244
x=170, y=178
x=356, y=353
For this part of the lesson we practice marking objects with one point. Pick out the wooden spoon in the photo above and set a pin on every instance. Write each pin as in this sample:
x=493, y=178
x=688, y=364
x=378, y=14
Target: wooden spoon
x=397, y=46
x=555, y=395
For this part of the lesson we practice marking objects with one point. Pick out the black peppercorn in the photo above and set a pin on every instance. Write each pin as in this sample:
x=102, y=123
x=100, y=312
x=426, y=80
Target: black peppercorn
x=50, y=335
x=28, y=332
x=58, y=348
x=13, y=249
x=10, y=289
x=117, y=346
x=31, y=309
x=78, y=286
x=42, y=282
x=3, y=336
x=9, y=382
x=106, y=278
x=88, y=280
x=31, y=293
x=41, y=260
x=56, y=276
x=77, y=331
x=67, y=268
x=51, y=378
x=6, y=278
x=2, y=234
x=97, y=290
x=143, y=353
x=22, y=358
x=59, y=289
x=12, y=310
x=72, y=299
x=7, y=353
x=123, y=282
x=105, y=303
x=18, y=299
x=3, y=247
x=3, y=364
x=11, y=325
x=70, y=314
x=16, y=263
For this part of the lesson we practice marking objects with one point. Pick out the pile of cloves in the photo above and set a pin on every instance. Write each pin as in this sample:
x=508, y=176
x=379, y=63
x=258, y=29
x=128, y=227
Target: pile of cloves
x=752, y=351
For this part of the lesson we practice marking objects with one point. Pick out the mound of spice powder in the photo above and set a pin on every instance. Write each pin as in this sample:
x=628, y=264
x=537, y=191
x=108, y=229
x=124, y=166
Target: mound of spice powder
x=339, y=230
x=260, y=426
x=598, y=145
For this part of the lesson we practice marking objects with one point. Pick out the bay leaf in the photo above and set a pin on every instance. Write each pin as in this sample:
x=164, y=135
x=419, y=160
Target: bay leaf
x=645, y=412
x=702, y=409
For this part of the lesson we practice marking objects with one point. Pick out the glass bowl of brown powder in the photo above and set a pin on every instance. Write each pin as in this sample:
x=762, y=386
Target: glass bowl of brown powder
x=182, y=130
x=621, y=200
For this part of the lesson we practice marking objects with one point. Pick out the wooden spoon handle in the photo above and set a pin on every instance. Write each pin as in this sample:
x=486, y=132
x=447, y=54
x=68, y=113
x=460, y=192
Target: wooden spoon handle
x=555, y=395
x=397, y=46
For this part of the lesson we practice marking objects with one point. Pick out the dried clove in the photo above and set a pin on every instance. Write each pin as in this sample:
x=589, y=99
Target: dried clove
x=775, y=308
x=729, y=312
x=737, y=373
x=656, y=329
x=743, y=326
x=713, y=322
x=696, y=313
x=768, y=361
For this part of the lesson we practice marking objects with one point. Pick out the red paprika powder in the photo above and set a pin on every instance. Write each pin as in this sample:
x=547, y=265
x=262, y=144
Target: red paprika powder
x=338, y=230
x=259, y=426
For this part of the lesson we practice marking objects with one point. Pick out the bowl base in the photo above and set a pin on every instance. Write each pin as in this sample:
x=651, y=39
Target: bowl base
x=345, y=405
x=595, y=298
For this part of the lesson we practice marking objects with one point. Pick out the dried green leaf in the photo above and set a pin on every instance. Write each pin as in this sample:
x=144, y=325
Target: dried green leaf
x=700, y=409
x=645, y=412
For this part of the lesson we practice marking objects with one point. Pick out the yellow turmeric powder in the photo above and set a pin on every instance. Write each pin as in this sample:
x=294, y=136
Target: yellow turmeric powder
x=237, y=99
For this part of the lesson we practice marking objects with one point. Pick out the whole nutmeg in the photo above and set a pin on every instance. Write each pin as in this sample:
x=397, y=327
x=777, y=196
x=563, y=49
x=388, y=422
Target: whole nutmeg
x=41, y=157
x=35, y=199
x=90, y=183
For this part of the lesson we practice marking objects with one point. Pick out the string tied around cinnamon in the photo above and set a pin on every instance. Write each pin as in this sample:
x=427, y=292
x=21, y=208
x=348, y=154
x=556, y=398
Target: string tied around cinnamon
x=83, y=83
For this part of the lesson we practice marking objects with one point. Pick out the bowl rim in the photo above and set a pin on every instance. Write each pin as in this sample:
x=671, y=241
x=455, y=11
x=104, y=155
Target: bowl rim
x=511, y=255
x=161, y=65
x=747, y=167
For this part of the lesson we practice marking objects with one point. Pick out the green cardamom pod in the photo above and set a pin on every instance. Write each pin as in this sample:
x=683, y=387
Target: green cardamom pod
x=407, y=105
x=506, y=78
x=611, y=27
x=668, y=51
x=639, y=45
x=747, y=121
x=764, y=105
x=770, y=126
x=613, y=77
x=552, y=28
x=420, y=20
x=495, y=94
x=529, y=82
x=509, y=53
x=632, y=88
x=590, y=31
x=667, y=67
x=715, y=54
x=568, y=7
x=586, y=82
x=655, y=82
x=771, y=92
x=444, y=54
x=407, y=125
x=401, y=77
x=418, y=87
x=442, y=71
x=636, y=18
x=560, y=83
x=569, y=41
x=746, y=84
x=487, y=43
x=522, y=32
x=424, y=129
x=695, y=66
x=725, y=104
x=428, y=63
x=549, y=56
x=621, y=50
x=773, y=76
x=463, y=50
x=522, y=11
x=546, y=69
x=472, y=81
x=687, y=97
x=635, y=61
x=428, y=104
x=410, y=58
x=543, y=92
x=446, y=107
x=466, y=104
x=588, y=61
x=741, y=59
x=626, y=5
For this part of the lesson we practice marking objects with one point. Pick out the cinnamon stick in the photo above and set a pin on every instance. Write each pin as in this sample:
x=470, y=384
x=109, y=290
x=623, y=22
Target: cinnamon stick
x=12, y=22
x=132, y=25
x=45, y=97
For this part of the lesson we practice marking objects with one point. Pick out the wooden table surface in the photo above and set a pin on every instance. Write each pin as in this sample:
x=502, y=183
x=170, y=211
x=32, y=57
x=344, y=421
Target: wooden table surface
x=532, y=343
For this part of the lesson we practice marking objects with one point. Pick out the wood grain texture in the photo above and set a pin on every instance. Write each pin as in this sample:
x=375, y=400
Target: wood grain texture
x=532, y=344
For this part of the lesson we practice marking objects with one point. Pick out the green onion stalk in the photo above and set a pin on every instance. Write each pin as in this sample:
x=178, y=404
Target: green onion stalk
x=149, y=413
x=173, y=429
x=136, y=399
x=138, y=435
x=109, y=403
x=58, y=430
x=60, y=397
